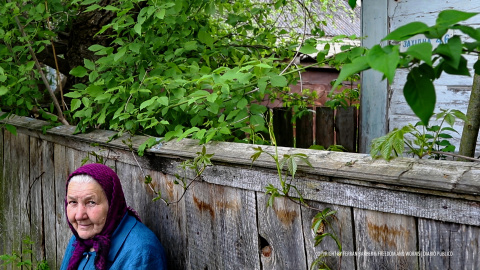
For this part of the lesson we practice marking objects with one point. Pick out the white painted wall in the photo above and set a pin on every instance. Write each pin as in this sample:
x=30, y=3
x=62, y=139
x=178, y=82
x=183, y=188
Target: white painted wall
x=453, y=92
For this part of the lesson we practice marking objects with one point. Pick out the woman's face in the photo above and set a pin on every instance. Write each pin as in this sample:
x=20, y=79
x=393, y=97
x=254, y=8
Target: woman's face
x=87, y=208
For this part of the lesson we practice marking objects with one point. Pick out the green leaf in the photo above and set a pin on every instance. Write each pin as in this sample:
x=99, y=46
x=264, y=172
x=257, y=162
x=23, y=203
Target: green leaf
x=278, y=81
x=357, y=65
x=138, y=28
x=73, y=94
x=421, y=51
x=75, y=104
x=120, y=53
x=96, y=47
x=308, y=49
x=384, y=60
x=3, y=90
x=147, y=103
x=407, y=31
x=451, y=52
x=89, y=64
x=450, y=16
x=242, y=103
x=352, y=3
x=11, y=129
x=206, y=38
x=419, y=92
x=79, y=71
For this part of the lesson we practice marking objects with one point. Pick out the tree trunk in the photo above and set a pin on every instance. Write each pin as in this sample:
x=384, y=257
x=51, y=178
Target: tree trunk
x=468, y=141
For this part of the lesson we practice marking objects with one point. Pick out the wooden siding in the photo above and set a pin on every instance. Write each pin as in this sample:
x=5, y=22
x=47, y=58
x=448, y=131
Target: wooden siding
x=222, y=222
x=453, y=92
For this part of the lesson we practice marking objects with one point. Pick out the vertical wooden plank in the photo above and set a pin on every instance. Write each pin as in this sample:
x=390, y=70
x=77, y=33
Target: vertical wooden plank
x=383, y=232
x=221, y=228
x=459, y=243
x=282, y=126
x=342, y=227
x=324, y=127
x=63, y=165
x=17, y=177
x=49, y=203
x=304, y=131
x=346, y=128
x=35, y=198
x=3, y=191
x=170, y=220
x=8, y=195
x=374, y=94
x=281, y=232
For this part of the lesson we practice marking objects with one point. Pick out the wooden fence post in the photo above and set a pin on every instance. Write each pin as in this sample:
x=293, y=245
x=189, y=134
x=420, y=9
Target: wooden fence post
x=283, y=127
x=324, y=127
x=304, y=131
x=346, y=128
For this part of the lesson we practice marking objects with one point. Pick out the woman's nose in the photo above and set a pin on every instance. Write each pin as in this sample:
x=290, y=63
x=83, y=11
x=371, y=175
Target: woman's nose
x=81, y=212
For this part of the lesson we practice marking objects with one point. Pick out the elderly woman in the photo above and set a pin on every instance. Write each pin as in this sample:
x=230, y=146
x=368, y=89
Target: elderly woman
x=106, y=233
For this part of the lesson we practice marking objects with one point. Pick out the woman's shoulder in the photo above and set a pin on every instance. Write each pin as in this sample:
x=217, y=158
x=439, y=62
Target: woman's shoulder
x=139, y=249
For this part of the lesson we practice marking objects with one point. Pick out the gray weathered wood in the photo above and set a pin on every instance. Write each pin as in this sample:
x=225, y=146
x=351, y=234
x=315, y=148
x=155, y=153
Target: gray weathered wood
x=374, y=94
x=172, y=220
x=342, y=227
x=459, y=243
x=63, y=165
x=382, y=232
x=35, y=198
x=3, y=191
x=221, y=228
x=281, y=227
x=49, y=202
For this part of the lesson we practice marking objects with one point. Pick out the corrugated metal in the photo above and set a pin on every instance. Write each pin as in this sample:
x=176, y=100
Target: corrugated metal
x=344, y=22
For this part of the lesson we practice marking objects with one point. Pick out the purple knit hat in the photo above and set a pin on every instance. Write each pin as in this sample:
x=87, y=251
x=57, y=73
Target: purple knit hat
x=117, y=207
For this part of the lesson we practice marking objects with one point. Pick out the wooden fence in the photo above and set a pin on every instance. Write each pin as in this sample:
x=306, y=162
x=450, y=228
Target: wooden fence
x=395, y=215
x=326, y=127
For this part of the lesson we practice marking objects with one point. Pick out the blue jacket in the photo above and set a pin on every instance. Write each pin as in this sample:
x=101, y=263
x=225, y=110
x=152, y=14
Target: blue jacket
x=133, y=246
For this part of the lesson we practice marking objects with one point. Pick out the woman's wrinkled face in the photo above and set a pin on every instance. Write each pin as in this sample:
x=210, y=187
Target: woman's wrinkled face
x=87, y=208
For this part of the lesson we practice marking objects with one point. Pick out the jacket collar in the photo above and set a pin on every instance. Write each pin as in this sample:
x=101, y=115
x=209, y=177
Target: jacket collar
x=120, y=235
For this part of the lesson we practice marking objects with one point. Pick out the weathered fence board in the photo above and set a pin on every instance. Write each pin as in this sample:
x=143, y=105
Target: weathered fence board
x=342, y=228
x=346, y=128
x=383, y=232
x=304, y=131
x=222, y=222
x=459, y=243
x=172, y=228
x=3, y=198
x=35, y=205
x=281, y=228
x=221, y=228
x=63, y=159
x=283, y=127
x=324, y=127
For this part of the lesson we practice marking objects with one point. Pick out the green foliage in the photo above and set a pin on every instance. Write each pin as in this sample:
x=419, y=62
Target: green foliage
x=286, y=167
x=21, y=259
x=321, y=222
x=350, y=96
x=171, y=69
x=425, y=64
x=420, y=140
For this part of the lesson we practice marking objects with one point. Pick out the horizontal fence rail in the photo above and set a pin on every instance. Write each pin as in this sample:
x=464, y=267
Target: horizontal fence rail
x=389, y=215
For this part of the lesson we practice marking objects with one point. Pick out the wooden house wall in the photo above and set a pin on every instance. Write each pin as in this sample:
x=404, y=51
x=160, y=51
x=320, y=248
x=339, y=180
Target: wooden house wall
x=453, y=92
